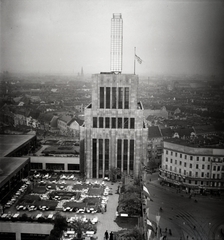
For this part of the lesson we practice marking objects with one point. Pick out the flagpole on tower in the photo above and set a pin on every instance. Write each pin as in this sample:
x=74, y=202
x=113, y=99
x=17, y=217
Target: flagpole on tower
x=134, y=58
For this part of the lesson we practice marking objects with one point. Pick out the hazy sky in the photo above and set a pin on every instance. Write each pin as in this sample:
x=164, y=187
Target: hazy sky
x=61, y=36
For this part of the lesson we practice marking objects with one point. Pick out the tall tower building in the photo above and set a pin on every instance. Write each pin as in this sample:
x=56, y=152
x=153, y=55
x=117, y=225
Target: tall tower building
x=116, y=48
x=114, y=135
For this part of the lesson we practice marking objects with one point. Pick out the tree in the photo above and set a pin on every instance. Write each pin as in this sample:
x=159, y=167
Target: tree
x=131, y=203
x=114, y=172
x=133, y=234
x=60, y=222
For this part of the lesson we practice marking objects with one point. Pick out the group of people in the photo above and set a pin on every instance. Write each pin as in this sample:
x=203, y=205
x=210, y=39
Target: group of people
x=108, y=236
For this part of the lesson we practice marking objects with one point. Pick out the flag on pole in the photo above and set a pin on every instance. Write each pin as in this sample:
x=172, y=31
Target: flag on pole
x=146, y=192
x=149, y=225
x=138, y=59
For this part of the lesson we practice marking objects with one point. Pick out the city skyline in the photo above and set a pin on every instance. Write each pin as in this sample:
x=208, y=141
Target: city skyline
x=171, y=37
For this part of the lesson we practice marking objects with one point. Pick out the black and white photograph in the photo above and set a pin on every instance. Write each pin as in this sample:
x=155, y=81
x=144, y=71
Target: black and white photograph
x=111, y=119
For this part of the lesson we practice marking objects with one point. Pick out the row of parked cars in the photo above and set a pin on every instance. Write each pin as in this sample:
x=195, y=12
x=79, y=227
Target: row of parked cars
x=14, y=198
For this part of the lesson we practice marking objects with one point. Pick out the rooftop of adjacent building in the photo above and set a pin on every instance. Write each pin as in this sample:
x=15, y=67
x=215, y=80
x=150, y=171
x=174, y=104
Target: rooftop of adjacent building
x=213, y=141
x=9, y=143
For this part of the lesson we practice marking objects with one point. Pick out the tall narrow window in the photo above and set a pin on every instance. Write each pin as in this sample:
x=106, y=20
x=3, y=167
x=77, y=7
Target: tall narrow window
x=125, y=122
x=126, y=98
x=119, y=123
x=100, y=155
x=125, y=155
x=107, y=122
x=114, y=97
x=101, y=97
x=131, y=155
x=100, y=122
x=107, y=148
x=119, y=152
x=107, y=97
x=120, y=97
x=94, y=122
x=132, y=123
x=94, y=156
x=113, y=124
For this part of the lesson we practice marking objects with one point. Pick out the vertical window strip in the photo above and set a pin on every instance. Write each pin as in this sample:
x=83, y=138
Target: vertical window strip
x=131, y=155
x=101, y=97
x=108, y=97
x=94, y=157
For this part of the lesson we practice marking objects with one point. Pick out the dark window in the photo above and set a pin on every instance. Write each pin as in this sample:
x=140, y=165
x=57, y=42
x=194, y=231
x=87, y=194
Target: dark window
x=94, y=122
x=114, y=97
x=120, y=97
x=126, y=98
x=119, y=123
x=107, y=148
x=7, y=236
x=125, y=155
x=100, y=154
x=125, y=122
x=73, y=167
x=101, y=97
x=33, y=236
x=100, y=122
x=36, y=165
x=55, y=166
x=113, y=125
x=107, y=122
x=132, y=150
x=94, y=154
x=107, y=97
x=132, y=123
x=119, y=151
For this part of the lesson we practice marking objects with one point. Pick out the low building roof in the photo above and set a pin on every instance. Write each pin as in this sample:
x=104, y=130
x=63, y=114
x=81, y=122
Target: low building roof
x=9, y=143
x=10, y=166
x=167, y=132
x=204, y=129
x=184, y=132
x=154, y=132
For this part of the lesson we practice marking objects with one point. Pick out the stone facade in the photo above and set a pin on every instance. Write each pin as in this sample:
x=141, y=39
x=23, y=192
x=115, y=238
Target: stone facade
x=129, y=130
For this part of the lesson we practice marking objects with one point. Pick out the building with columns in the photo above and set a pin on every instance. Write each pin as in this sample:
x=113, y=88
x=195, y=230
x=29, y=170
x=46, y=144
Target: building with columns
x=115, y=134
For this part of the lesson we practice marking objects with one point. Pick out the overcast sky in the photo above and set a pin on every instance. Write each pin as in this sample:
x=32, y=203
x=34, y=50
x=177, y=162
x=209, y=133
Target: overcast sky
x=61, y=36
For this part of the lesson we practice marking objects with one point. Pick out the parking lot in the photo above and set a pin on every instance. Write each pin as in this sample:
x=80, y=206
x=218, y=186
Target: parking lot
x=51, y=193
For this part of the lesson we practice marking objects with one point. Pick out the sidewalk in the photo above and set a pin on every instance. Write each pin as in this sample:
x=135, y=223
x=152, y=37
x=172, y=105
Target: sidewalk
x=106, y=220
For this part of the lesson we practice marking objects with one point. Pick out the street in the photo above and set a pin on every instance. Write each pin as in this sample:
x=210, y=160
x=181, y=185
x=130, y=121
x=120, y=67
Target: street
x=196, y=219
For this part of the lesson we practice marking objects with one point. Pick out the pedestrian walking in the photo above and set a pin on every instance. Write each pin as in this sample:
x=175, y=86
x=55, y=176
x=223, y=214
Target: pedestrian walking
x=106, y=235
x=111, y=236
x=105, y=207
